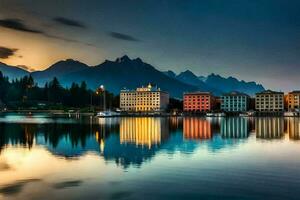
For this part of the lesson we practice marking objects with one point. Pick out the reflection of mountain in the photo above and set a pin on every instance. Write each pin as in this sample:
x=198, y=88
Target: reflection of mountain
x=132, y=141
x=197, y=128
x=236, y=127
x=293, y=128
x=11, y=134
x=135, y=134
x=143, y=131
x=126, y=154
x=269, y=127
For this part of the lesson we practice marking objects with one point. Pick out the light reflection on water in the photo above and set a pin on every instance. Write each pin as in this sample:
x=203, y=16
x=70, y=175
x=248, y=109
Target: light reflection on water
x=154, y=158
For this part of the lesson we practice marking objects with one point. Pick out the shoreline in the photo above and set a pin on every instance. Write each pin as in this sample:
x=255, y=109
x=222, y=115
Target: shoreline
x=93, y=114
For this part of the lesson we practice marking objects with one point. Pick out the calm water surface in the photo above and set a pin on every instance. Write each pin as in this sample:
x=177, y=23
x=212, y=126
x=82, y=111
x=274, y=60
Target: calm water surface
x=149, y=158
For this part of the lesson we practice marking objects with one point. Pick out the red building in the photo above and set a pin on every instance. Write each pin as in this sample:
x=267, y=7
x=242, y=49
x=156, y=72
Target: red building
x=198, y=101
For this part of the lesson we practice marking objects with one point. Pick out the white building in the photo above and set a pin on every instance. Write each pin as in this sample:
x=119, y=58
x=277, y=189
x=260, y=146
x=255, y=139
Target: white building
x=144, y=99
x=269, y=101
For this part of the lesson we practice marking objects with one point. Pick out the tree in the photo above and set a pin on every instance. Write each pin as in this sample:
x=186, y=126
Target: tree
x=55, y=91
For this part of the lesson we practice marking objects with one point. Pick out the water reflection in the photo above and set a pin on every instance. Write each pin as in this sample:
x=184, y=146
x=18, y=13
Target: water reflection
x=129, y=141
x=143, y=131
x=237, y=127
x=293, y=128
x=197, y=128
x=269, y=127
x=138, y=156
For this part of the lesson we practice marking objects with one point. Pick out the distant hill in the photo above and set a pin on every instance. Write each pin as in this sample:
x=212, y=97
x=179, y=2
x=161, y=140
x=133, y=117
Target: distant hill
x=127, y=73
x=59, y=70
x=12, y=72
x=131, y=73
x=232, y=84
x=217, y=83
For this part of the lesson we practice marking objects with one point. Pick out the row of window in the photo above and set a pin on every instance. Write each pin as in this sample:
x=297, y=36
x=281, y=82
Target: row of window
x=234, y=97
x=150, y=104
x=196, y=103
x=277, y=106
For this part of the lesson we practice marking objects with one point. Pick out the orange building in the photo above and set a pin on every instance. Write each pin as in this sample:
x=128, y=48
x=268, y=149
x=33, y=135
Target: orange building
x=198, y=101
x=293, y=101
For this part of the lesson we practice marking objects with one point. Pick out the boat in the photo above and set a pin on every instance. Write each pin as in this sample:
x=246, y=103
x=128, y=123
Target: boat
x=107, y=114
x=215, y=114
x=289, y=114
x=247, y=114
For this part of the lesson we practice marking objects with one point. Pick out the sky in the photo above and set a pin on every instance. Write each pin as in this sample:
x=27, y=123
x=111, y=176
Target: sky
x=253, y=40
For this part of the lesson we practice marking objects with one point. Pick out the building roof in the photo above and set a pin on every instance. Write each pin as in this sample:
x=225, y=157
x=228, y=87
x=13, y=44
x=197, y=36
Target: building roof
x=235, y=93
x=197, y=93
x=269, y=92
x=148, y=88
x=295, y=92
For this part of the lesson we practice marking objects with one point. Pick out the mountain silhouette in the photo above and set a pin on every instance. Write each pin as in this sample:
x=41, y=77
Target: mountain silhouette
x=12, y=72
x=125, y=72
x=232, y=84
x=59, y=70
x=217, y=83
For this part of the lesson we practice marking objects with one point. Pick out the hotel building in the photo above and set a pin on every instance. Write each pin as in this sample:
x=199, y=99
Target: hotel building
x=269, y=101
x=234, y=102
x=198, y=101
x=144, y=99
x=293, y=101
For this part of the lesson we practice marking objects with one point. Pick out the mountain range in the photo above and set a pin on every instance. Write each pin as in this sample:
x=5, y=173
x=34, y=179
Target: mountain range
x=131, y=73
x=12, y=72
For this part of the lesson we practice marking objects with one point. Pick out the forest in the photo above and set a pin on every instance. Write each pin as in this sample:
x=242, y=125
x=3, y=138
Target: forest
x=24, y=93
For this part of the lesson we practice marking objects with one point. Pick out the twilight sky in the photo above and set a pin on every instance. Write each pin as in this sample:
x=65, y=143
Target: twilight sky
x=249, y=39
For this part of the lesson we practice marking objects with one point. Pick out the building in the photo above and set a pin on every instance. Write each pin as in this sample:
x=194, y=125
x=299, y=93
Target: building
x=293, y=101
x=144, y=99
x=235, y=102
x=198, y=101
x=269, y=101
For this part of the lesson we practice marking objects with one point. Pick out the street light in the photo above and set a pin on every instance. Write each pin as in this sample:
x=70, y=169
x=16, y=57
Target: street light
x=100, y=90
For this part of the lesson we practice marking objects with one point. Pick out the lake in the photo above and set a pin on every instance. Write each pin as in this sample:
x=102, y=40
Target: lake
x=44, y=157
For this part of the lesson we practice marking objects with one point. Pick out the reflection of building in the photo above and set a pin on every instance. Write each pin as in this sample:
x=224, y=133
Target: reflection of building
x=197, y=128
x=144, y=99
x=237, y=127
x=144, y=131
x=293, y=101
x=269, y=128
x=234, y=102
x=269, y=101
x=198, y=101
x=293, y=128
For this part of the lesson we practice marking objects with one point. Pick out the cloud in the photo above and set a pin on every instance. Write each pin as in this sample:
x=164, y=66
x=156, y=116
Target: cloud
x=67, y=184
x=69, y=22
x=122, y=36
x=6, y=52
x=18, y=25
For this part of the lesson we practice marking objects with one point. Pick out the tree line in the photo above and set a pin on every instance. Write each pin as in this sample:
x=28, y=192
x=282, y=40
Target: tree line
x=25, y=93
